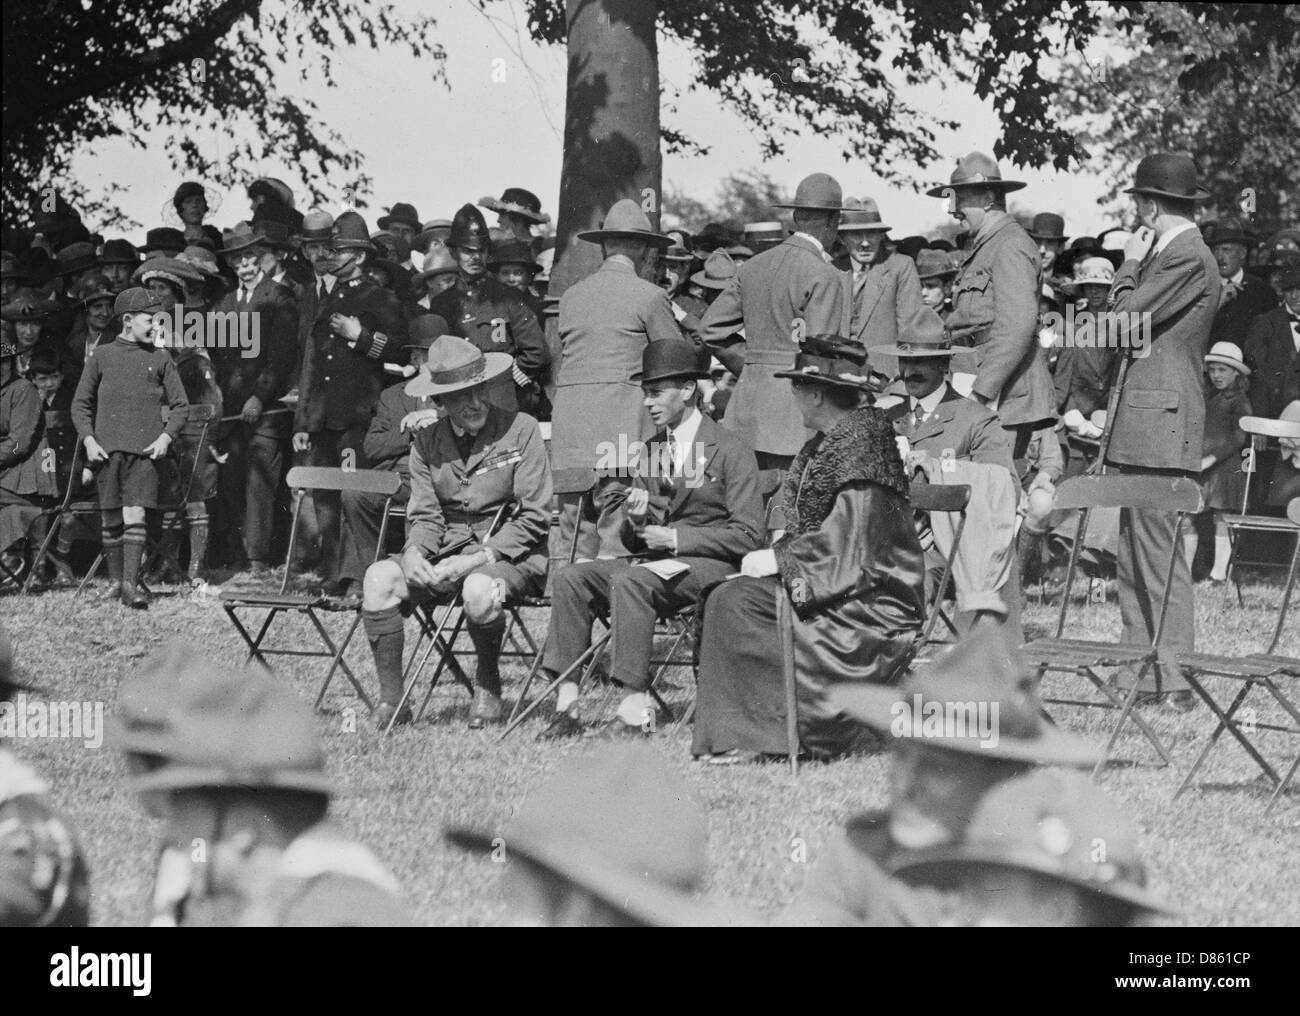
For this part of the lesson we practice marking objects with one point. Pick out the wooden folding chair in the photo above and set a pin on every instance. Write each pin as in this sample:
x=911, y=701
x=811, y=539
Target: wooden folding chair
x=302, y=480
x=1260, y=431
x=941, y=497
x=1265, y=670
x=1084, y=656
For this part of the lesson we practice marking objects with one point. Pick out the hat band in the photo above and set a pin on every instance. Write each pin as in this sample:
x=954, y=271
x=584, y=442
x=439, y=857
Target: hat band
x=827, y=369
x=924, y=347
x=475, y=371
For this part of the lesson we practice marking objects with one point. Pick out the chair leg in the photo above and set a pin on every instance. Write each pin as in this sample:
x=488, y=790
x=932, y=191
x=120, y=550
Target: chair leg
x=1277, y=791
x=1125, y=707
x=51, y=531
x=588, y=656
x=1225, y=723
x=338, y=663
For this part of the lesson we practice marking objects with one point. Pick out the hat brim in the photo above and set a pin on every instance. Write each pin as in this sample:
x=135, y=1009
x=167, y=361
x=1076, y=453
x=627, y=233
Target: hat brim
x=644, y=236
x=183, y=777
x=429, y=273
x=700, y=279
x=1201, y=193
x=796, y=206
x=384, y=221
x=686, y=375
x=834, y=380
x=539, y=218
x=957, y=354
x=1003, y=185
x=948, y=273
x=649, y=902
x=422, y=386
x=77, y=266
x=864, y=227
x=1227, y=361
x=1071, y=285
x=875, y=706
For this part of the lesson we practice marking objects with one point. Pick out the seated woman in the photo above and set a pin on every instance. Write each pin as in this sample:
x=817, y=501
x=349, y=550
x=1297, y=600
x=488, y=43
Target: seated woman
x=847, y=577
x=472, y=460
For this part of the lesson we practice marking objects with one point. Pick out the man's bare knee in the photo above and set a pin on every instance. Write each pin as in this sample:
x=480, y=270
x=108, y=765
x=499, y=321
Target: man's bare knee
x=383, y=586
x=478, y=593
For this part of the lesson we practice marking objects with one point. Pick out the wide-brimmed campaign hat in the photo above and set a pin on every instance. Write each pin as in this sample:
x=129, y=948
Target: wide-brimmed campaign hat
x=1049, y=823
x=934, y=264
x=513, y=252
x=618, y=824
x=671, y=358
x=626, y=221
x=455, y=363
x=425, y=330
x=439, y=261
x=817, y=192
x=922, y=337
x=975, y=170
x=402, y=213
x=832, y=360
x=863, y=216
x=987, y=668
x=1168, y=176
x=1229, y=354
x=350, y=233
x=718, y=271
x=517, y=201
x=241, y=238
x=1047, y=226
x=1090, y=271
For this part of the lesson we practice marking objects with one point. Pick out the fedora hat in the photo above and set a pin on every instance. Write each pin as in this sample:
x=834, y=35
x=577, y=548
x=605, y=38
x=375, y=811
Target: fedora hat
x=207, y=726
x=1047, y=226
x=76, y=257
x=165, y=239
x=241, y=238
x=1229, y=354
x=317, y=225
x=439, y=261
x=27, y=304
x=513, y=252
x=817, y=192
x=975, y=170
x=1228, y=231
x=862, y=217
x=469, y=230
x=350, y=233
x=934, y=264
x=424, y=330
x=986, y=667
x=718, y=271
x=832, y=360
x=517, y=201
x=434, y=229
x=455, y=363
x=618, y=824
x=1168, y=176
x=668, y=358
x=1090, y=271
x=1049, y=823
x=402, y=213
x=626, y=221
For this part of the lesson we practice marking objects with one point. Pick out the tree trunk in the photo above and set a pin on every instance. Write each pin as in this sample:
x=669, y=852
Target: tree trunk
x=611, y=130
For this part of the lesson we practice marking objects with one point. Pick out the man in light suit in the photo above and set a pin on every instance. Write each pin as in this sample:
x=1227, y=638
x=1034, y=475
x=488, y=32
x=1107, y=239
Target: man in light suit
x=605, y=323
x=779, y=296
x=1169, y=274
x=995, y=301
x=693, y=499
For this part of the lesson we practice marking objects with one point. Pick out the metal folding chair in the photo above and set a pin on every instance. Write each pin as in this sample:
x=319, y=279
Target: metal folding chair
x=1260, y=430
x=1265, y=670
x=1084, y=656
x=940, y=497
x=301, y=480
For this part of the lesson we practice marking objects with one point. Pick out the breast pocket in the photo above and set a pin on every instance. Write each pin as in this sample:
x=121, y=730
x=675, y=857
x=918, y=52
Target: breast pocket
x=972, y=298
x=1162, y=399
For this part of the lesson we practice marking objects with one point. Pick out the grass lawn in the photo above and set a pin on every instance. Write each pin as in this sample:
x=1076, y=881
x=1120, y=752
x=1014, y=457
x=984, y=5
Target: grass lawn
x=1211, y=853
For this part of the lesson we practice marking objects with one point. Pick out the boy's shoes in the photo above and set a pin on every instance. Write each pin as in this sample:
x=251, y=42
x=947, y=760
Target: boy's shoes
x=134, y=597
x=562, y=725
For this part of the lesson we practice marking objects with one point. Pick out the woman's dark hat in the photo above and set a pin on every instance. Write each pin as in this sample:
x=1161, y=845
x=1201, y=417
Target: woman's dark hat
x=832, y=360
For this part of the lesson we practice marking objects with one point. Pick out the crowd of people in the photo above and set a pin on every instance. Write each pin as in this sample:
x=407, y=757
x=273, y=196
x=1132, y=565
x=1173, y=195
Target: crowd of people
x=719, y=428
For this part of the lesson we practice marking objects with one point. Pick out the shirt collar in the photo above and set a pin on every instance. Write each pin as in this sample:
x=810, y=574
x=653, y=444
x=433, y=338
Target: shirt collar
x=1165, y=240
x=684, y=433
x=1234, y=279
x=931, y=402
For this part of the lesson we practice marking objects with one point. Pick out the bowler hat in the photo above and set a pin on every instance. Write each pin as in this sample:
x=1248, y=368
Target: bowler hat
x=76, y=257
x=1047, y=226
x=1229, y=354
x=164, y=239
x=669, y=358
x=136, y=301
x=119, y=252
x=862, y=217
x=718, y=271
x=513, y=252
x=1050, y=823
x=517, y=201
x=27, y=304
x=975, y=170
x=241, y=238
x=213, y=727
x=469, y=229
x=986, y=667
x=626, y=221
x=618, y=824
x=832, y=360
x=1168, y=176
x=455, y=363
x=424, y=330
x=401, y=213
x=317, y=225
x=439, y=261
x=350, y=233
x=817, y=192
x=934, y=264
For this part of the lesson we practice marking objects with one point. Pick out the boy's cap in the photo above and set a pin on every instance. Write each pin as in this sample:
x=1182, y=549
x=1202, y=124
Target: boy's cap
x=135, y=301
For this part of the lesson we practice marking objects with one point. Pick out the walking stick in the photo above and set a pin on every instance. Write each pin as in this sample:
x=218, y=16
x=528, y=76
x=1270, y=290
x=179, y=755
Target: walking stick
x=1099, y=466
x=785, y=633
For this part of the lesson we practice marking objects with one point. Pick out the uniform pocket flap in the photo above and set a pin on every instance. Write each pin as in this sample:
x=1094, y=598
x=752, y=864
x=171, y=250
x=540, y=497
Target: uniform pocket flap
x=1153, y=398
x=976, y=280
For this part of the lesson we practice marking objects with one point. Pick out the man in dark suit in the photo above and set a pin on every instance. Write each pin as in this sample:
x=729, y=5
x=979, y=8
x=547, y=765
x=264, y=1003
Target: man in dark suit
x=1273, y=350
x=1169, y=277
x=250, y=384
x=692, y=510
x=1243, y=297
x=317, y=250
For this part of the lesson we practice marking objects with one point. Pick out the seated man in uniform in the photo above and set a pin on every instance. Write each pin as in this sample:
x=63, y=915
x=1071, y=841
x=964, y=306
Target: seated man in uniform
x=475, y=458
x=692, y=509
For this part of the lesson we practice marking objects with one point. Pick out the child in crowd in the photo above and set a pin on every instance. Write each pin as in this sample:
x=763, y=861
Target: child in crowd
x=1222, y=481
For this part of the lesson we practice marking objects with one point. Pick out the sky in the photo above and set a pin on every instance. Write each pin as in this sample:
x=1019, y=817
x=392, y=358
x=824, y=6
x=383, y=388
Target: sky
x=438, y=148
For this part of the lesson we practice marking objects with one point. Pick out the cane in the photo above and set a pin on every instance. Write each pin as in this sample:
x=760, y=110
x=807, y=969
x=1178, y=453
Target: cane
x=269, y=412
x=1099, y=466
x=785, y=637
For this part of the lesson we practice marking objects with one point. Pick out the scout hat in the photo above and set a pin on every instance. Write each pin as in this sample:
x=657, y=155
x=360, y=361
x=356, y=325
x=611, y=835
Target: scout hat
x=975, y=170
x=439, y=261
x=832, y=360
x=626, y=221
x=455, y=363
x=76, y=257
x=739, y=252
x=818, y=192
x=206, y=726
x=619, y=824
x=317, y=225
x=424, y=330
x=165, y=240
x=669, y=358
x=434, y=229
x=513, y=252
x=934, y=264
x=27, y=304
x=1168, y=176
x=923, y=337
x=1047, y=226
x=401, y=213
x=243, y=237
x=350, y=233
x=469, y=229
x=1090, y=271
x=984, y=668
x=119, y=252
x=97, y=287
x=763, y=235
x=862, y=217
x=517, y=201
x=1051, y=823
x=718, y=271
x=1229, y=354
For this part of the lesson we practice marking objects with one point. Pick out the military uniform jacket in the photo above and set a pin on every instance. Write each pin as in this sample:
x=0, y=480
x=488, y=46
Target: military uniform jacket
x=453, y=497
x=386, y=445
x=340, y=384
x=995, y=310
x=605, y=322
x=959, y=428
x=20, y=434
x=265, y=375
x=769, y=292
x=1160, y=419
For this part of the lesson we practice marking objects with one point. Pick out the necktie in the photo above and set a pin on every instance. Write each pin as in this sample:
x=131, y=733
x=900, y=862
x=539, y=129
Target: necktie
x=918, y=416
x=321, y=292
x=670, y=456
